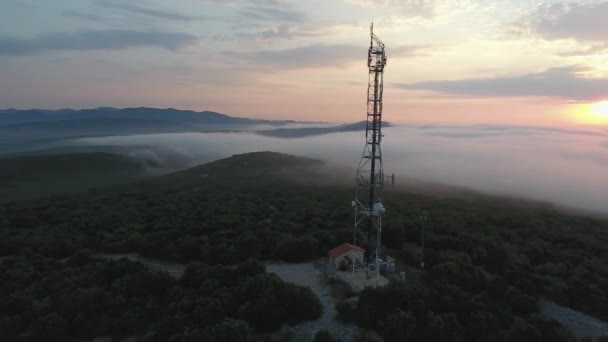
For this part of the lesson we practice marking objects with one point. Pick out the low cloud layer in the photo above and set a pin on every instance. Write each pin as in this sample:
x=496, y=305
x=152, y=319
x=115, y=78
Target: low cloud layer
x=565, y=82
x=94, y=40
x=562, y=166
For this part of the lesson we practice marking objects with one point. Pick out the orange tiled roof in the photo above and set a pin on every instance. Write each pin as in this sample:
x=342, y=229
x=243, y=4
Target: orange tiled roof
x=344, y=248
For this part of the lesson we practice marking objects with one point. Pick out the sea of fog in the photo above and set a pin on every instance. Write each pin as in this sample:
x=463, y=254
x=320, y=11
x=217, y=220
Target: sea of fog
x=562, y=166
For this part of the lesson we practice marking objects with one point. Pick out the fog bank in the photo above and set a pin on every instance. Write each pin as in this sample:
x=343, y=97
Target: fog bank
x=567, y=167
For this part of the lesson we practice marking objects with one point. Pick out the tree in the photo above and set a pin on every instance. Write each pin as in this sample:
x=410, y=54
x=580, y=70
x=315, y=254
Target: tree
x=603, y=338
x=399, y=326
x=523, y=332
x=524, y=305
x=325, y=336
x=497, y=259
x=50, y=328
x=250, y=268
x=550, y=329
x=229, y=330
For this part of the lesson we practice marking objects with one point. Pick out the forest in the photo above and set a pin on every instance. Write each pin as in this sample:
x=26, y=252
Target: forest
x=488, y=260
x=34, y=176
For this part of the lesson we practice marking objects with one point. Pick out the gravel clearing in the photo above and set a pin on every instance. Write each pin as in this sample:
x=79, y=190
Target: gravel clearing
x=306, y=274
x=580, y=324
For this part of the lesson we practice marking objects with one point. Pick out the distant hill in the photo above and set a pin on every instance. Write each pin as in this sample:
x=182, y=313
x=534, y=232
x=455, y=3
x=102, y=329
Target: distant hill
x=38, y=124
x=14, y=116
x=40, y=176
x=35, y=176
x=311, y=131
x=228, y=171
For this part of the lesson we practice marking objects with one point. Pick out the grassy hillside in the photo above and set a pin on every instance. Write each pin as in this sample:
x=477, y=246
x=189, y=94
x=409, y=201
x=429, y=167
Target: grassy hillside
x=39, y=176
x=488, y=262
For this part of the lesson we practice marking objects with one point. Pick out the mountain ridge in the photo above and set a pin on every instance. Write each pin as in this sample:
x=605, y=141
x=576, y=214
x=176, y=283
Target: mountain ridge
x=44, y=115
x=39, y=124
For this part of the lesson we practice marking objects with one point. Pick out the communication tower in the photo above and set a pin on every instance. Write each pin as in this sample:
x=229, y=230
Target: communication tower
x=370, y=173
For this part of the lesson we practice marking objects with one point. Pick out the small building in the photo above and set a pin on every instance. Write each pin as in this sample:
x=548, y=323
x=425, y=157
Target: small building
x=343, y=256
x=390, y=265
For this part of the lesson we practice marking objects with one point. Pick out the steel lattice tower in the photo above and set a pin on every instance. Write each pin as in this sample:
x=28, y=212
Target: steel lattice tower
x=370, y=174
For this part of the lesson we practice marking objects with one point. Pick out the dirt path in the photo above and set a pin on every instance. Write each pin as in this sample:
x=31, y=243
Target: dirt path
x=580, y=324
x=307, y=275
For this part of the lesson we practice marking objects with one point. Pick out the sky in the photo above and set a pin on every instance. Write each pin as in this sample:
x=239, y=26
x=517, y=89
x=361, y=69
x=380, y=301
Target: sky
x=517, y=62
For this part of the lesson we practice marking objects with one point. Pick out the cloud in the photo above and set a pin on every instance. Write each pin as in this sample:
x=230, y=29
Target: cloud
x=564, y=82
x=149, y=12
x=599, y=49
x=94, y=40
x=318, y=55
x=411, y=8
x=273, y=13
x=582, y=21
x=271, y=2
x=266, y=20
x=567, y=167
x=493, y=131
x=284, y=31
x=266, y=10
x=406, y=50
x=73, y=13
x=311, y=56
x=308, y=29
x=425, y=9
x=256, y=2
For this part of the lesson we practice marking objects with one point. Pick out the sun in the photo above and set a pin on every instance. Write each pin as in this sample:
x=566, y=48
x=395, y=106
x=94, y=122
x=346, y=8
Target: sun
x=595, y=113
x=600, y=109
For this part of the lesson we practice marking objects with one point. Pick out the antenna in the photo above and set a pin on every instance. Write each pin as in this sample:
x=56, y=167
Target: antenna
x=370, y=173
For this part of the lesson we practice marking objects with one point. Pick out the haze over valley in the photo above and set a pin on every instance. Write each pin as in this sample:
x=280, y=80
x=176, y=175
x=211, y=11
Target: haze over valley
x=563, y=166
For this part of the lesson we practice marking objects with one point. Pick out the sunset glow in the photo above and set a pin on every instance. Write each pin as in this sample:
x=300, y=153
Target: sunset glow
x=600, y=109
x=587, y=114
